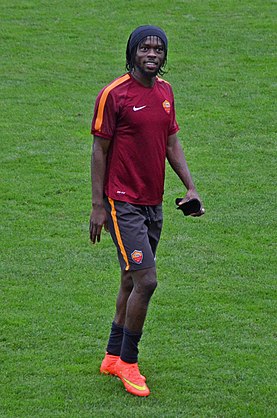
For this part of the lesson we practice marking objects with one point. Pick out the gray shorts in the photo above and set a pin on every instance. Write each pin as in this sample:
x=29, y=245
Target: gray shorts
x=136, y=231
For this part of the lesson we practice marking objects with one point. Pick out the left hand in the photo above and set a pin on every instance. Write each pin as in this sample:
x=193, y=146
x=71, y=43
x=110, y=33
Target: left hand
x=192, y=194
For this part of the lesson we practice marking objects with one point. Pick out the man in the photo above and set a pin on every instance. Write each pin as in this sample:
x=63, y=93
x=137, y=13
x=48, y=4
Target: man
x=134, y=130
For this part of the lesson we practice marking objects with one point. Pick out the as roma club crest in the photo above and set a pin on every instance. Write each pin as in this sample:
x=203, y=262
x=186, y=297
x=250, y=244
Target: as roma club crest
x=137, y=256
x=166, y=106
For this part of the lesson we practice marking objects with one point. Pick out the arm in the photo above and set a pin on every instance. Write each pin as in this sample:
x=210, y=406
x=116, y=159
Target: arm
x=177, y=160
x=98, y=169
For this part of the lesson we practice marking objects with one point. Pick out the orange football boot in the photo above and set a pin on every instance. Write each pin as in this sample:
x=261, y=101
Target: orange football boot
x=108, y=364
x=131, y=378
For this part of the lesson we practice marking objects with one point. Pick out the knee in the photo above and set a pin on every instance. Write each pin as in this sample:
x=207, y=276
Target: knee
x=146, y=282
x=151, y=284
x=147, y=288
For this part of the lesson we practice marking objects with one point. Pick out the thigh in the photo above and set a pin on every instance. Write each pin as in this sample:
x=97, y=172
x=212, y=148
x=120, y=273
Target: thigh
x=129, y=231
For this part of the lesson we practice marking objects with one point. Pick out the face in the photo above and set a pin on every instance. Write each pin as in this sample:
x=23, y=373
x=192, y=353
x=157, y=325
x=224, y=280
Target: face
x=150, y=56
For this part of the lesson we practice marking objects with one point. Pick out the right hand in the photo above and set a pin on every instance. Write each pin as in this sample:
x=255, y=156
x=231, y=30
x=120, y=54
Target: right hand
x=98, y=219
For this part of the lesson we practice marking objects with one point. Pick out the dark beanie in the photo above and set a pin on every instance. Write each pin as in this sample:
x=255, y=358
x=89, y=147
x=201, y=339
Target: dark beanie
x=142, y=32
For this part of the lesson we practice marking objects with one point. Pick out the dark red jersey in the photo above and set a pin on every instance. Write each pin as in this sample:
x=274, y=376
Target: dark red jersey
x=138, y=121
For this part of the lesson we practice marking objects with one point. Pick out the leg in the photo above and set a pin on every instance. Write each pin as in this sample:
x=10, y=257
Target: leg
x=126, y=368
x=144, y=285
x=125, y=290
x=116, y=334
x=133, y=298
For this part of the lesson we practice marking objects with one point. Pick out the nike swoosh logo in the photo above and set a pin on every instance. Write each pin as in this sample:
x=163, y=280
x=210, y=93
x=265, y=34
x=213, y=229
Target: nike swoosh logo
x=134, y=385
x=135, y=109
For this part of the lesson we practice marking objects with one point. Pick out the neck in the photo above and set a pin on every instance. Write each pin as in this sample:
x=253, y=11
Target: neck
x=143, y=78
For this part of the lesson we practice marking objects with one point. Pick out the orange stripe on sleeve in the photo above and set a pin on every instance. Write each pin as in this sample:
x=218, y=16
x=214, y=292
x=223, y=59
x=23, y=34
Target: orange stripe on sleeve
x=118, y=235
x=161, y=79
x=103, y=99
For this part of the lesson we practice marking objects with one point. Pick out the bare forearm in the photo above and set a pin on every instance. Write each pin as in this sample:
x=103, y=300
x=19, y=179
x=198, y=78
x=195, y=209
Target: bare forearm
x=98, y=169
x=177, y=160
x=97, y=179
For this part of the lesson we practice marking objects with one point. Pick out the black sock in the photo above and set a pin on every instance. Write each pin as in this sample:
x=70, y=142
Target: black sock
x=115, y=340
x=129, y=349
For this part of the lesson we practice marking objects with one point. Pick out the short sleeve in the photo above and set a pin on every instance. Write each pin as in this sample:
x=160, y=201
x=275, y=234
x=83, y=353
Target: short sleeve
x=105, y=115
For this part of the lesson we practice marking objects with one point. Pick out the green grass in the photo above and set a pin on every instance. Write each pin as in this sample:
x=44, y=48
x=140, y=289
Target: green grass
x=209, y=344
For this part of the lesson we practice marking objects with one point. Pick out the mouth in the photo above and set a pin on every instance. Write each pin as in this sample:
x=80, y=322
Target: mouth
x=151, y=65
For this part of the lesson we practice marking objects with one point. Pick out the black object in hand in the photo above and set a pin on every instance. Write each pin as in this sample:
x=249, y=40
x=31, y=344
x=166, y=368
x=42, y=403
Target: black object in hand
x=189, y=207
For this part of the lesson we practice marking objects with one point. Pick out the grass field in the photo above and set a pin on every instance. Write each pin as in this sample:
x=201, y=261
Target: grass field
x=209, y=344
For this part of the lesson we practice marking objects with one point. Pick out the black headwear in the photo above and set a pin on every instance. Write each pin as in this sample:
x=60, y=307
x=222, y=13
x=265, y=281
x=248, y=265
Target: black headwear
x=139, y=34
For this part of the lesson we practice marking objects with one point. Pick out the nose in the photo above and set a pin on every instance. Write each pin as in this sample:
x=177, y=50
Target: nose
x=152, y=52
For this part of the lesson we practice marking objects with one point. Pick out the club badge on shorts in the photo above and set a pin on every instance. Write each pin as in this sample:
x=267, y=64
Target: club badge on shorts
x=137, y=256
x=166, y=106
